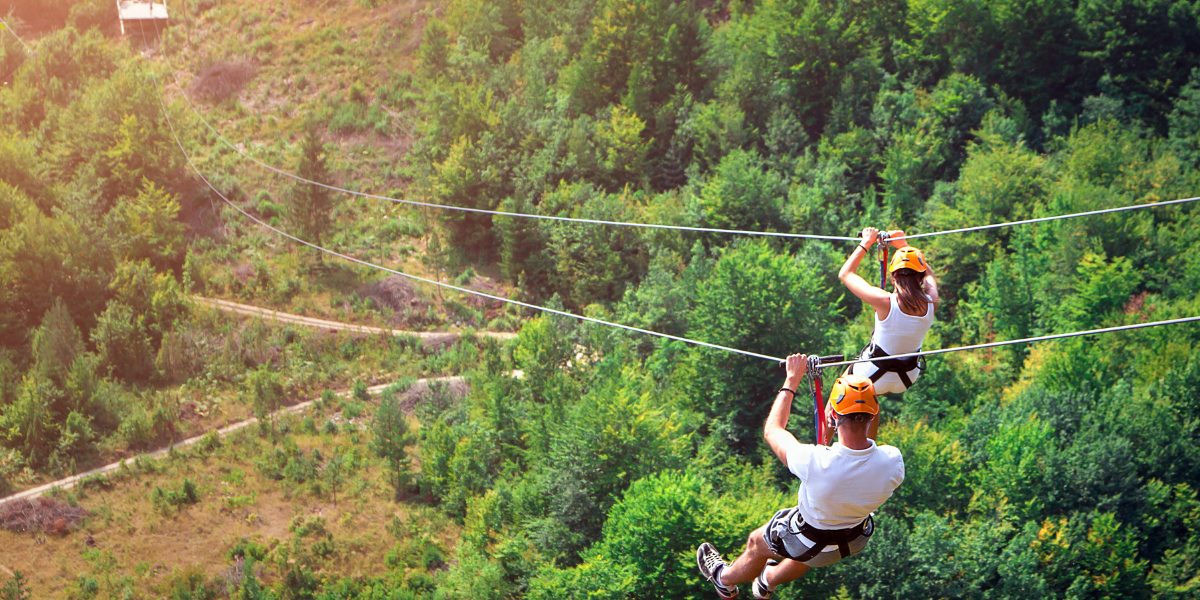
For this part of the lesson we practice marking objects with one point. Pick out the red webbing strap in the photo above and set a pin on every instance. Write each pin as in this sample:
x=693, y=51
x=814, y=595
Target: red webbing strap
x=819, y=412
x=883, y=259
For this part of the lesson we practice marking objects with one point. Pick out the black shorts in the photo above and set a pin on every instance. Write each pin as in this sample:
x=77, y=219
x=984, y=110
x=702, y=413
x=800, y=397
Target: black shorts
x=782, y=535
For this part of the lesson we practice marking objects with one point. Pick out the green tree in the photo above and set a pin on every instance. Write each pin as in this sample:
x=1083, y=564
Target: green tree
x=764, y=301
x=390, y=438
x=266, y=394
x=149, y=227
x=56, y=344
x=743, y=194
x=123, y=343
x=312, y=205
x=16, y=588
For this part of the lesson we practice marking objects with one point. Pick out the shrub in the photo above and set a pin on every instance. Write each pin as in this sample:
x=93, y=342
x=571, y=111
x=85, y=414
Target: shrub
x=247, y=549
x=266, y=208
x=166, y=500
x=360, y=392
x=211, y=441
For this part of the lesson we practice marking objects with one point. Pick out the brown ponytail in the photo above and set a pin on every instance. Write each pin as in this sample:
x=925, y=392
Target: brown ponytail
x=910, y=294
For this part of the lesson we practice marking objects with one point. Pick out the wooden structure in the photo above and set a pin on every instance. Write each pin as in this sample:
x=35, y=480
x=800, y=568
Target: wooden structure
x=137, y=13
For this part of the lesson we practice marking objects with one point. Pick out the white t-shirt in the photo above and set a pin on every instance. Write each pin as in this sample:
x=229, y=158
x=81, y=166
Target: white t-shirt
x=841, y=487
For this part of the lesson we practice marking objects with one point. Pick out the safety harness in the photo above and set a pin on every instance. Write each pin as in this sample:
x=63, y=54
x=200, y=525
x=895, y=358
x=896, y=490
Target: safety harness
x=884, y=365
x=823, y=538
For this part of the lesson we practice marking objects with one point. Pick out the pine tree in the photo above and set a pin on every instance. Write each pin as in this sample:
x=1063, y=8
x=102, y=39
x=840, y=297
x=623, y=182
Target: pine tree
x=391, y=435
x=312, y=205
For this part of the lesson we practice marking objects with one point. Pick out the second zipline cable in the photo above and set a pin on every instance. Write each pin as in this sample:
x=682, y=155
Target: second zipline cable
x=479, y=210
x=191, y=164
x=430, y=281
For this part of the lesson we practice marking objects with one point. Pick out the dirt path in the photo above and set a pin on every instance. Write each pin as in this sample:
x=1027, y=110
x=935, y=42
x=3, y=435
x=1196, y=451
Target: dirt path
x=282, y=317
x=263, y=313
x=69, y=482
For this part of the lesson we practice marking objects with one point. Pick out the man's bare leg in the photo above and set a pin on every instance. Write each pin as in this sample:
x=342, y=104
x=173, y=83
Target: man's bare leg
x=787, y=570
x=752, y=561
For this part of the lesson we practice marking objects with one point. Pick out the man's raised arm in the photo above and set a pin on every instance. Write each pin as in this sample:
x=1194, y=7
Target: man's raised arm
x=775, y=429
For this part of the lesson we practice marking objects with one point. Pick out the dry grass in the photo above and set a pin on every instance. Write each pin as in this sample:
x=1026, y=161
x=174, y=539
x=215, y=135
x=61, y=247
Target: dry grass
x=126, y=539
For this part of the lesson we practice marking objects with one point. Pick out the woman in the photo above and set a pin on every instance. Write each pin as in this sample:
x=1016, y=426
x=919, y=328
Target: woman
x=902, y=318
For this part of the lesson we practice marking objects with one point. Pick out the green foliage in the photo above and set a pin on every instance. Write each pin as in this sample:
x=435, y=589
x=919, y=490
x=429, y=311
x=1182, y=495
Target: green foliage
x=743, y=195
x=311, y=206
x=390, y=438
x=754, y=298
x=17, y=588
x=265, y=389
x=166, y=501
x=149, y=228
x=56, y=344
x=1065, y=470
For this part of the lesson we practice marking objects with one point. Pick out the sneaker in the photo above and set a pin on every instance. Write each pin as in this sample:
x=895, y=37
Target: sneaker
x=710, y=563
x=759, y=588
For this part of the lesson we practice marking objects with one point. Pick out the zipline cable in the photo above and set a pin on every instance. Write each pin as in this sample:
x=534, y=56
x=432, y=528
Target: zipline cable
x=477, y=210
x=1031, y=340
x=191, y=164
x=430, y=281
x=1053, y=218
x=4, y=26
x=28, y=50
x=264, y=165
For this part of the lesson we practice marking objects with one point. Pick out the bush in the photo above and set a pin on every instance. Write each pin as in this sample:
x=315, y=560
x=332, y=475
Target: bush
x=247, y=549
x=165, y=501
x=267, y=209
x=360, y=392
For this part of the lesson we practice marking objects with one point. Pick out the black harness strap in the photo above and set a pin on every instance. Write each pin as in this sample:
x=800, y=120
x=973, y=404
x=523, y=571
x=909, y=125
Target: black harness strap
x=841, y=538
x=899, y=366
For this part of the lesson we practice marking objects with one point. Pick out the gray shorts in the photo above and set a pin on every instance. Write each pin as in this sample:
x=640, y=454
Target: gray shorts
x=783, y=538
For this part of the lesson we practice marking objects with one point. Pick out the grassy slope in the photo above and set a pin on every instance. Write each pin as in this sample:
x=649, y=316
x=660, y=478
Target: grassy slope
x=140, y=547
x=346, y=64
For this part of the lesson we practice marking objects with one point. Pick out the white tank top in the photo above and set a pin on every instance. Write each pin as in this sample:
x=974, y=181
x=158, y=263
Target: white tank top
x=901, y=333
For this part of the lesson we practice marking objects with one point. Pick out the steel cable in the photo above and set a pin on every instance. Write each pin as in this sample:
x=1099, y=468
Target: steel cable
x=193, y=166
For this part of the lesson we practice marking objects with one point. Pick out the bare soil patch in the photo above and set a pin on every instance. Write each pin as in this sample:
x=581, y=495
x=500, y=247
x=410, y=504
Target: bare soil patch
x=223, y=80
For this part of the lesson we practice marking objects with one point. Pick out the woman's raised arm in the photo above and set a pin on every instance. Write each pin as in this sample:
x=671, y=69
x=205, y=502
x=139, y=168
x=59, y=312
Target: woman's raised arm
x=877, y=298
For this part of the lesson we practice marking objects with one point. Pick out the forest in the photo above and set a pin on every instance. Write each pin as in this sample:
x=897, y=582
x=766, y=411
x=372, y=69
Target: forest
x=1068, y=469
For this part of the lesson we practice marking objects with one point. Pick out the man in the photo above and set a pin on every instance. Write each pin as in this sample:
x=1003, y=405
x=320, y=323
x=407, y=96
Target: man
x=841, y=486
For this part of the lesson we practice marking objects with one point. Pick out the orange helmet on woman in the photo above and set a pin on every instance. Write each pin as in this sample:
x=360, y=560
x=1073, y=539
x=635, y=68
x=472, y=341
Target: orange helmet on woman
x=854, y=394
x=908, y=258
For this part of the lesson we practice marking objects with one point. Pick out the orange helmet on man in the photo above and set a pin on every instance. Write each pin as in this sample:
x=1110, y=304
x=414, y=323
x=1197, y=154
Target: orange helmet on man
x=854, y=394
x=908, y=258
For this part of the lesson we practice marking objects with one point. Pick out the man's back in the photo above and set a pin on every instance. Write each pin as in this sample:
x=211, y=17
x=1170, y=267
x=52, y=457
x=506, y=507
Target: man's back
x=841, y=487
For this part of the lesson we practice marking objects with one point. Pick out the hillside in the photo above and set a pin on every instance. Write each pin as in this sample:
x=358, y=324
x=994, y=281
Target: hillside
x=1065, y=469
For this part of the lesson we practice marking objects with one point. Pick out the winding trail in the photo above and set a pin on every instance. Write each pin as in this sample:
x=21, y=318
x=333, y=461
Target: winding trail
x=271, y=315
x=70, y=482
x=282, y=317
